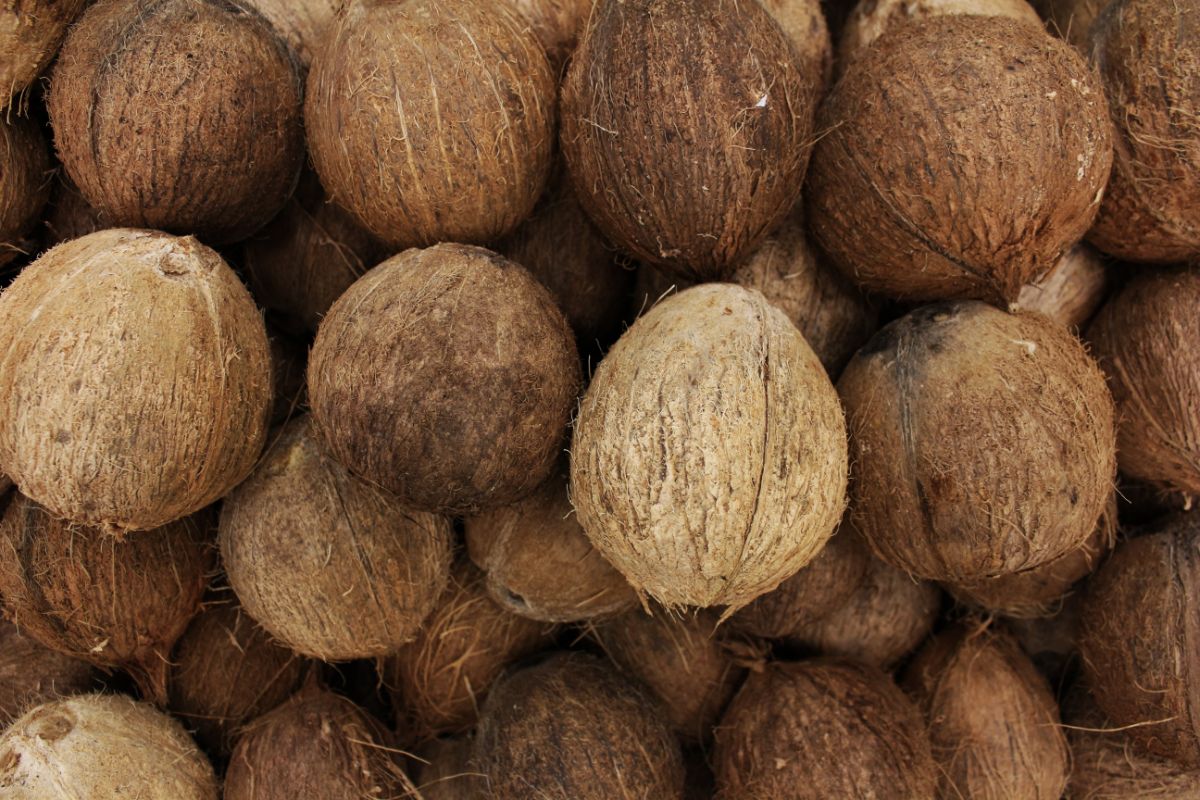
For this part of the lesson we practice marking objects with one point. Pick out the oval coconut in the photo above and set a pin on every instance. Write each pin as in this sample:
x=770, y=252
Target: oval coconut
x=447, y=376
x=571, y=728
x=1070, y=293
x=979, y=198
x=140, y=100
x=1011, y=475
x=69, y=215
x=687, y=152
x=870, y=19
x=113, y=602
x=301, y=23
x=135, y=379
x=822, y=729
x=557, y=25
x=993, y=720
x=30, y=35
x=1149, y=62
x=26, y=167
x=709, y=459
x=32, y=674
x=102, y=746
x=446, y=772
x=803, y=22
x=328, y=564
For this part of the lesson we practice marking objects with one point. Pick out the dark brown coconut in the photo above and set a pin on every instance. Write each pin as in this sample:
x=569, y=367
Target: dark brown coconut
x=446, y=772
x=1071, y=292
x=993, y=721
x=225, y=672
x=539, y=562
x=1010, y=475
x=1052, y=642
x=870, y=19
x=975, y=199
x=25, y=165
x=182, y=115
x=803, y=22
x=288, y=361
x=69, y=215
x=447, y=376
x=302, y=23
x=328, y=564
x=1149, y=61
x=112, y=602
x=685, y=151
x=135, y=379
x=557, y=24
x=30, y=34
x=464, y=150
x=1138, y=639
x=822, y=729
x=1145, y=340
x=1072, y=20
x=32, y=674
x=571, y=728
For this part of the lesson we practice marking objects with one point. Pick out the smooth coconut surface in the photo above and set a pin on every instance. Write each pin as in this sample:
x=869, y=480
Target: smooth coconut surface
x=1070, y=293
x=25, y=164
x=302, y=23
x=30, y=35
x=870, y=19
x=32, y=674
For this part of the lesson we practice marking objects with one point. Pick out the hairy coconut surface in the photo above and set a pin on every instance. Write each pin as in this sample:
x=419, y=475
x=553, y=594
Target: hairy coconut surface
x=1071, y=292
x=1072, y=20
x=557, y=25
x=870, y=19
x=447, y=376
x=1148, y=55
x=1010, y=476
x=32, y=674
x=183, y=115
x=822, y=729
x=30, y=34
x=446, y=772
x=102, y=746
x=684, y=150
x=331, y=566
x=708, y=462
x=993, y=720
x=803, y=22
x=302, y=23
x=26, y=167
x=69, y=215
x=979, y=198
x=571, y=728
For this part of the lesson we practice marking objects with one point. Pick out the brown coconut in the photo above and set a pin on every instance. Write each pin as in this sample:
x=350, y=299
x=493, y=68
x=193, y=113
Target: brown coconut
x=1070, y=293
x=540, y=564
x=69, y=215
x=571, y=728
x=446, y=772
x=1145, y=339
x=557, y=25
x=288, y=361
x=439, y=681
x=978, y=199
x=135, y=379
x=331, y=566
x=871, y=18
x=1149, y=62
x=30, y=34
x=1138, y=639
x=447, y=376
x=993, y=720
x=708, y=462
x=25, y=165
x=32, y=674
x=1009, y=476
x=102, y=746
x=822, y=729
x=225, y=672
x=1072, y=20
x=302, y=23
x=464, y=150
x=183, y=115
x=803, y=22
x=686, y=152
x=1052, y=642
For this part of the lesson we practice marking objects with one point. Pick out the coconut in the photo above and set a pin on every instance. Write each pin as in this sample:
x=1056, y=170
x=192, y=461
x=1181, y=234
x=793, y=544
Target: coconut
x=1072, y=20
x=557, y=25
x=288, y=357
x=30, y=35
x=1052, y=642
x=803, y=22
x=182, y=115
x=25, y=164
x=113, y=602
x=686, y=152
x=447, y=376
x=69, y=215
x=439, y=680
x=32, y=674
x=317, y=744
x=978, y=199
x=226, y=672
x=822, y=729
x=465, y=152
x=1150, y=69
x=709, y=463
x=1010, y=476
x=1138, y=639
x=331, y=566
x=571, y=727
x=993, y=721
x=871, y=18
x=134, y=379
x=1071, y=292
x=98, y=746
x=1144, y=338
x=301, y=23
x=446, y=772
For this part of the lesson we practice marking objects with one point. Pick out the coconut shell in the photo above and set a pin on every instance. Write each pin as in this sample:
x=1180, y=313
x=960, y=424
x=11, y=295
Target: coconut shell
x=708, y=463
x=1149, y=61
x=447, y=376
x=1011, y=475
x=331, y=566
x=1072, y=20
x=140, y=101
x=134, y=379
x=102, y=746
x=557, y=25
x=301, y=23
x=975, y=200
x=1145, y=340
x=540, y=564
x=571, y=728
x=32, y=674
x=871, y=18
x=25, y=165
x=446, y=772
x=803, y=22
x=69, y=215
x=822, y=729
x=993, y=720
x=738, y=122
x=30, y=34
x=1138, y=639
x=1070, y=293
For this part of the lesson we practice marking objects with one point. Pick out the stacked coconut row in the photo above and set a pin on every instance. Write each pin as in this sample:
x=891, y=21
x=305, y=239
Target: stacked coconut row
x=540, y=398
